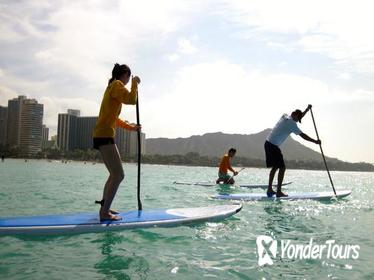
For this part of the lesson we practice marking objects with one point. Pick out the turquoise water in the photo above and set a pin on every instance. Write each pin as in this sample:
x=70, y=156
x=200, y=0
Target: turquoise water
x=221, y=250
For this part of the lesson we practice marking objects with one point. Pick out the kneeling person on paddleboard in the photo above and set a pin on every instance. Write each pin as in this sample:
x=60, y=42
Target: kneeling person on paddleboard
x=224, y=166
x=115, y=95
x=274, y=158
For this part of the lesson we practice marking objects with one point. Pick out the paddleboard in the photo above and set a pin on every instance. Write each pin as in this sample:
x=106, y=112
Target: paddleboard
x=89, y=222
x=291, y=196
x=263, y=186
x=212, y=184
x=203, y=184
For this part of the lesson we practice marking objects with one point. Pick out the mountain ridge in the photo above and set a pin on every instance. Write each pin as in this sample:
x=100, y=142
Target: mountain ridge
x=214, y=144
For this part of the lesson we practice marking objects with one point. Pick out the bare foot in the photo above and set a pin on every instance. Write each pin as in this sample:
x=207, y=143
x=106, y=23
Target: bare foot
x=281, y=194
x=109, y=217
x=111, y=211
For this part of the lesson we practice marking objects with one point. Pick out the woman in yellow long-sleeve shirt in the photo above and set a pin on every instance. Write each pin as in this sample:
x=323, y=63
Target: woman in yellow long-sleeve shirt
x=115, y=95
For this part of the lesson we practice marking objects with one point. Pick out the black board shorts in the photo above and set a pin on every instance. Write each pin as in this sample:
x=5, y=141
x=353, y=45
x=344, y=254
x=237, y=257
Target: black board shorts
x=274, y=157
x=101, y=141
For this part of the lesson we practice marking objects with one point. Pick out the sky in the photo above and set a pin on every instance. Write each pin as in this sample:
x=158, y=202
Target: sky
x=233, y=66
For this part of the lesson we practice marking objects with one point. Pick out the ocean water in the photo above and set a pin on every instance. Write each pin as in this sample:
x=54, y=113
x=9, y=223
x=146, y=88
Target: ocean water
x=219, y=250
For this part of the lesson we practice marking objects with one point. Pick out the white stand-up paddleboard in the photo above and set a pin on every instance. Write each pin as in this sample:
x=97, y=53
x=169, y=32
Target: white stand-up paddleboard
x=263, y=186
x=291, y=196
x=89, y=222
x=213, y=184
x=203, y=184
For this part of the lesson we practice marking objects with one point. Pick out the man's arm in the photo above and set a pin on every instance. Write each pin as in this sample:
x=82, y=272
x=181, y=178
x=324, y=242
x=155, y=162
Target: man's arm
x=307, y=138
x=232, y=170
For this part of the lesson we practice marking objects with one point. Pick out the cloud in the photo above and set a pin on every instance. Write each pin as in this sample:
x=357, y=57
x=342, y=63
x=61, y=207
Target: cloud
x=172, y=57
x=222, y=96
x=225, y=56
x=62, y=52
x=5, y=95
x=227, y=97
x=79, y=41
x=54, y=106
x=186, y=47
x=336, y=29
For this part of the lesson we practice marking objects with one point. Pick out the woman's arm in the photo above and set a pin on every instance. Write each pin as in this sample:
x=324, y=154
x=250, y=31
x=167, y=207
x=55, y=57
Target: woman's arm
x=121, y=93
x=127, y=125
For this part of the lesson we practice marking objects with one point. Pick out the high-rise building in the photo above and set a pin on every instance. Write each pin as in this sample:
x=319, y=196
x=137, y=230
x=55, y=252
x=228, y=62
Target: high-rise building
x=75, y=132
x=85, y=127
x=31, y=122
x=119, y=139
x=45, y=132
x=52, y=144
x=66, y=130
x=74, y=112
x=45, y=136
x=24, y=124
x=131, y=144
x=142, y=143
x=14, y=120
x=3, y=125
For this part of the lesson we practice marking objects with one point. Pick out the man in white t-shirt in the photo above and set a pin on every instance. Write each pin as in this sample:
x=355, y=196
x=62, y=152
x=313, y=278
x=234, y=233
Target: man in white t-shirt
x=274, y=158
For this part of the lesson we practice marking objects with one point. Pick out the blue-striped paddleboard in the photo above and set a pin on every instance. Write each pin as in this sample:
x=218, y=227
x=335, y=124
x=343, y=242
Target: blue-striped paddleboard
x=90, y=222
x=291, y=196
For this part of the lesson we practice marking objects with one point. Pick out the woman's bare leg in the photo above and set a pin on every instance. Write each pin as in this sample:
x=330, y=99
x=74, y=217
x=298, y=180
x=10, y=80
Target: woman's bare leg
x=106, y=187
x=108, y=183
x=112, y=161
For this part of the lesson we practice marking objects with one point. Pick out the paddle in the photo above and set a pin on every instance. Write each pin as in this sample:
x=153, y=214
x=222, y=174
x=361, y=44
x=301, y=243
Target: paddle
x=323, y=156
x=139, y=152
x=236, y=174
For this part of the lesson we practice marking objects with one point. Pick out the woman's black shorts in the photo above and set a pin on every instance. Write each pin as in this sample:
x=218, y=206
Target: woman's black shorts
x=101, y=141
x=274, y=157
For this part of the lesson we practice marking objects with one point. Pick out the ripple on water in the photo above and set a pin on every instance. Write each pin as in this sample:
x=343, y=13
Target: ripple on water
x=223, y=250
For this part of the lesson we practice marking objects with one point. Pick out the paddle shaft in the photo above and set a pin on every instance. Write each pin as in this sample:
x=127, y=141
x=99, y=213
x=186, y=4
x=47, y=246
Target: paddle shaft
x=323, y=155
x=139, y=152
x=236, y=174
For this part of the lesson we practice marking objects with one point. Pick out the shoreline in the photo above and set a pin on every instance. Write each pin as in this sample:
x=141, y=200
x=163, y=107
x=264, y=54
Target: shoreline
x=66, y=161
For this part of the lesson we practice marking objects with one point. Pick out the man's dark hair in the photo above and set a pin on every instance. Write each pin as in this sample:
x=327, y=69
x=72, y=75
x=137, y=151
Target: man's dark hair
x=298, y=114
x=232, y=150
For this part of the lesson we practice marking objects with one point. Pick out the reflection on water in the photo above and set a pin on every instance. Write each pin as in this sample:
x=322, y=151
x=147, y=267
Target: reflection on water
x=216, y=250
x=278, y=220
x=226, y=189
x=117, y=262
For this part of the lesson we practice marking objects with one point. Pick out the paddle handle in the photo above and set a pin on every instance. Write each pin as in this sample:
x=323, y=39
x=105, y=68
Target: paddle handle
x=139, y=152
x=323, y=155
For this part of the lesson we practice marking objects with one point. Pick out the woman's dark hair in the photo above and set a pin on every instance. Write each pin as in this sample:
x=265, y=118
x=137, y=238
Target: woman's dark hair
x=232, y=150
x=118, y=71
